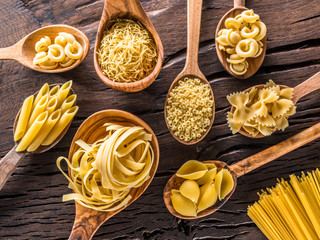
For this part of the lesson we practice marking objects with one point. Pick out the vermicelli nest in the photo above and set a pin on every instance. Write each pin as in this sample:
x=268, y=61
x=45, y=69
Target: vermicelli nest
x=127, y=52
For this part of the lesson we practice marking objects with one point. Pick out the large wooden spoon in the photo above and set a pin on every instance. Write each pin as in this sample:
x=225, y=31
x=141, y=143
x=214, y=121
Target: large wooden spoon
x=127, y=9
x=191, y=68
x=87, y=221
x=308, y=86
x=24, y=50
x=245, y=166
x=254, y=63
x=12, y=159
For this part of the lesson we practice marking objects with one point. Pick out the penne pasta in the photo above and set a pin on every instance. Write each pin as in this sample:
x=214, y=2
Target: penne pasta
x=63, y=122
x=52, y=104
x=54, y=91
x=23, y=118
x=43, y=91
x=63, y=92
x=68, y=103
x=47, y=127
x=32, y=132
x=39, y=108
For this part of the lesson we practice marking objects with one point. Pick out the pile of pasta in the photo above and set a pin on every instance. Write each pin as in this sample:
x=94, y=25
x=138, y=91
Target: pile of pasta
x=189, y=109
x=291, y=209
x=43, y=118
x=262, y=110
x=202, y=187
x=64, y=52
x=241, y=39
x=127, y=51
x=103, y=173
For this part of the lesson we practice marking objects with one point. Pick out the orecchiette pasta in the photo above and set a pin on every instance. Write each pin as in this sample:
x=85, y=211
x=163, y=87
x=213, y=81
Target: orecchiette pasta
x=64, y=52
x=261, y=110
x=242, y=39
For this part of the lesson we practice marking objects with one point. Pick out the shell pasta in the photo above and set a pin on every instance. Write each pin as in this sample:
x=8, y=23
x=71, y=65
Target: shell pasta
x=42, y=119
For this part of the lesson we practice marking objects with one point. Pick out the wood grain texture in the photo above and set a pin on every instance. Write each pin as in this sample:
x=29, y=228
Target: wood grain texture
x=30, y=202
x=130, y=9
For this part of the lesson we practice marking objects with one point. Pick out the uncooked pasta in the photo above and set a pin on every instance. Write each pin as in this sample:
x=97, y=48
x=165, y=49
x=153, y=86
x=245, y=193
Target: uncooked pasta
x=127, y=51
x=103, y=173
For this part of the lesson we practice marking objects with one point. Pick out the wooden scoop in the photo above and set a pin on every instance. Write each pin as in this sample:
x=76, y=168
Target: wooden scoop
x=246, y=165
x=24, y=50
x=127, y=9
x=254, y=63
x=10, y=161
x=87, y=221
x=191, y=68
x=308, y=86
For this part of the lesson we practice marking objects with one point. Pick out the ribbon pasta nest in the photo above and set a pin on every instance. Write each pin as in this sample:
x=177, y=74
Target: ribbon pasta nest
x=103, y=173
x=202, y=187
x=241, y=39
x=261, y=110
x=127, y=52
x=64, y=52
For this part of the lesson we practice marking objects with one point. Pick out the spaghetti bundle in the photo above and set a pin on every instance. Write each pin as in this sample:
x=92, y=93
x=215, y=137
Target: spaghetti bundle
x=290, y=210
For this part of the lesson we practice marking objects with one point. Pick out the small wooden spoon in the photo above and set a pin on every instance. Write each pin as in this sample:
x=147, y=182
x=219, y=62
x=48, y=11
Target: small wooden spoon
x=191, y=68
x=12, y=159
x=245, y=166
x=310, y=85
x=87, y=221
x=254, y=63
x=24, y=50
x=127, y=9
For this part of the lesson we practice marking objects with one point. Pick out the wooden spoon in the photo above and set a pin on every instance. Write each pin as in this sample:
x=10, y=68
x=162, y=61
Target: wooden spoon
x=127, y=9
x=87, y=221
x=191, y=68
x=310, y=85
x=245, y=166
x=24, y=50
x=254, y=63
x=12, y=159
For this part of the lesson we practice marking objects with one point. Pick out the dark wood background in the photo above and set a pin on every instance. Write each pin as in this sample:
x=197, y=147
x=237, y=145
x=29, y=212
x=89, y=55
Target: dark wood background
x=30, y=202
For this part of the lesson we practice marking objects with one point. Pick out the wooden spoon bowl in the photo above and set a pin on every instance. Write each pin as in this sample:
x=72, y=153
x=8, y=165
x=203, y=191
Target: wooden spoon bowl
x=175, y=182
x=254, y=63
x=87, y=221
x=244, y=166
x=127, y=9
x=24, y=50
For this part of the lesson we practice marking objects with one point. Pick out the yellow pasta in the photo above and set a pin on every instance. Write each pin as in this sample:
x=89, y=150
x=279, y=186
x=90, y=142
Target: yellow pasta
x=52, y=105
x=56, y=53
x=44, y=90
x=68, y=102
x=23, y=118
x=74, y=51
x=63, y=92
x=192, y=170
x=208, y=196
x=183, y=205
x=43, y=44
x=39, y=108
x=224, y=183
x=190, y=189
x=32, y=132
x=48, y=125
x=54, y=91
x=58, y=128
x=40, y=58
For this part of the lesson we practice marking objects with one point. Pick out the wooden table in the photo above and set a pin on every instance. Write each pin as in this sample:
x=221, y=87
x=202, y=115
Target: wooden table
x=30, y=202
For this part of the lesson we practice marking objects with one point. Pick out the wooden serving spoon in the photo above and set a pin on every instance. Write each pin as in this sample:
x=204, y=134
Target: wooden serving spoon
x=24, y=50
x=87, y=221
x=127, y=9
x=191, y=68
x=308, y=86
x=12, y=159
x=245, y=166
x=254, y=63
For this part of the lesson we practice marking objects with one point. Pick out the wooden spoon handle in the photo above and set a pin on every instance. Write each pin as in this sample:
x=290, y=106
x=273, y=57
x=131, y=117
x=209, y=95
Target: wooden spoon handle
x=194, y=23
x=8, y=164
x=276, y=151
x=239, y=3
x=308, y=86
x=9, y=53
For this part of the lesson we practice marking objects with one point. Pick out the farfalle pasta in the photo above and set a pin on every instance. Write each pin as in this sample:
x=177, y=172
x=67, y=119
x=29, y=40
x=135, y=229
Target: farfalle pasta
x=63, y=52
x=241, y=39
x=203, y=186
x=262, y=110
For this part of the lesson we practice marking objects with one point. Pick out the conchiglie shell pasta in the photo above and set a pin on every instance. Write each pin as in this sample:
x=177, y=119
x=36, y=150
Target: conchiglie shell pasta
x=190, y=189
x=208, y=176
x=208, y=196
x=183, y=205
x=224, y=183
x=192, y=170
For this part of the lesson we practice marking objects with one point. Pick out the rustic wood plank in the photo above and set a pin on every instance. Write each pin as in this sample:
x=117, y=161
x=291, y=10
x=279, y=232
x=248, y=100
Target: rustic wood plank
x=30, y=203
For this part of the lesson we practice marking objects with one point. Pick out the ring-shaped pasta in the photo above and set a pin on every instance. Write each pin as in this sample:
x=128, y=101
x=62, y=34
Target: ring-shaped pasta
x=222, y=32
x=49, y=65
x=232, y=23
x=222, y=40
x=231, y=51
x=56, y=49
x=239, y=69
x=74, y=51
x=249, y=16
x=69, y=37
x=235, y=59
x=262, y=30
x=61, y=40
x=40, y=57
x=251, y=32
x=247, y=48
x=42, y=44
x=66, y=62
x=233, y=37
x=260, y=50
